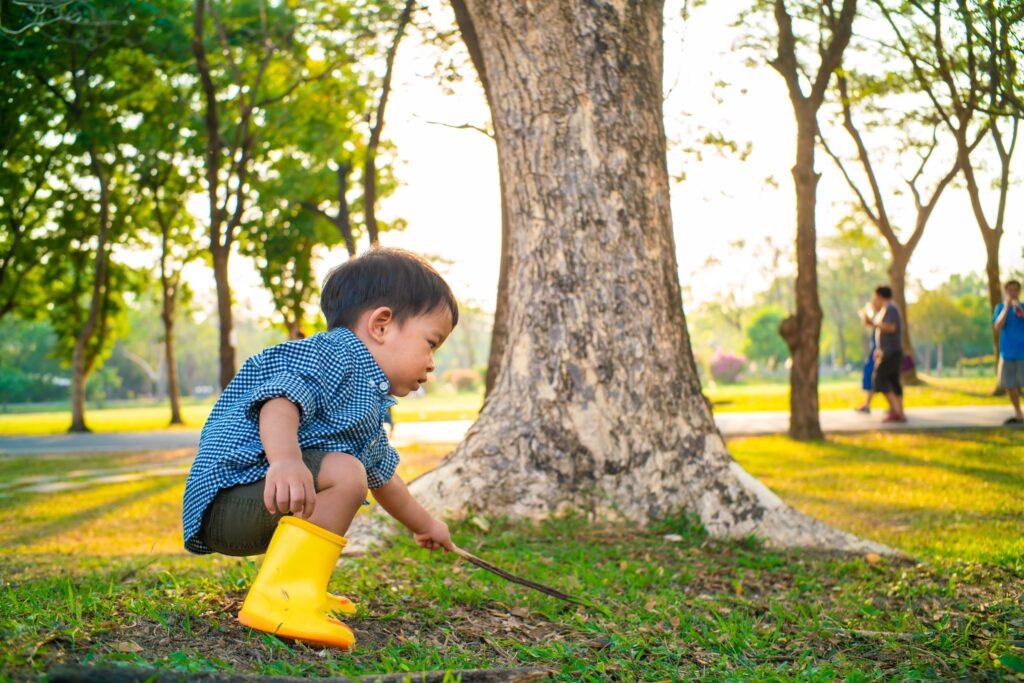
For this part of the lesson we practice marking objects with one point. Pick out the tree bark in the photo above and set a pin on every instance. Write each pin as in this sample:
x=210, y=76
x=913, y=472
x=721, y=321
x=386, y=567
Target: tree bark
x=597, y=404
x=802, y=330
x=81, y=363
x=899, y=258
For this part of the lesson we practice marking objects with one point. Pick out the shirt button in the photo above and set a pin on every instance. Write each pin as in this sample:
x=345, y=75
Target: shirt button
x=383, y=386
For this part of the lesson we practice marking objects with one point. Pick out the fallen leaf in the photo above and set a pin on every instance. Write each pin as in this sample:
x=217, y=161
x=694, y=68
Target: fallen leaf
x=126, y=646
x=873, y=558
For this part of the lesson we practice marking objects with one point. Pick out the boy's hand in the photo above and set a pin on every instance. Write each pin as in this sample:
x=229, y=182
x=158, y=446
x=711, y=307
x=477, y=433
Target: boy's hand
x=435, y=537
x=289, y=488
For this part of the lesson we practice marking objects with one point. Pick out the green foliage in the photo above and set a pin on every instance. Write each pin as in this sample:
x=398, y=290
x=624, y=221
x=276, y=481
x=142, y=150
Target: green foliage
x=763, y=341
x=29, y=371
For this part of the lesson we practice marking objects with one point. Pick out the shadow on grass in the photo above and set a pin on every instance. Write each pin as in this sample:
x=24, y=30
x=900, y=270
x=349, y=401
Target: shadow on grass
x=77, y=518
x=852, y=453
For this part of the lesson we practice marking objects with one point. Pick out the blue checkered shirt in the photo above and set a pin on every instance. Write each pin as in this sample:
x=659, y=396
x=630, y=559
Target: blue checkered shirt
x=342, y=396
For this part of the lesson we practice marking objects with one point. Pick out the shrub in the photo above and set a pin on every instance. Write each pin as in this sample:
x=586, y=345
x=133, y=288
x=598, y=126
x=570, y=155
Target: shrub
x=726, y=367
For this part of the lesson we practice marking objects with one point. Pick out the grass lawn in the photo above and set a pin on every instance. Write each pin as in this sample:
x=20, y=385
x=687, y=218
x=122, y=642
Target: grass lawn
x=842, y=395
x=152, y=417
x=96, y=575
x=465, y=406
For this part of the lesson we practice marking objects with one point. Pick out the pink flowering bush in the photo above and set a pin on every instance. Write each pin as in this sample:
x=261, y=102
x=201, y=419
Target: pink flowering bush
x=726, y=367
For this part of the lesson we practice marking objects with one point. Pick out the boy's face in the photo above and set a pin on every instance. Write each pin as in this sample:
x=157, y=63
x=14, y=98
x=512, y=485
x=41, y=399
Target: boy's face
x=405, y=351
x=1013, y=292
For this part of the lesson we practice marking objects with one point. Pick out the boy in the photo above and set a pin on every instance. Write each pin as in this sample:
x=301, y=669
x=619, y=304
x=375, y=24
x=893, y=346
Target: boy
x=296, y=439
x=1008, y=321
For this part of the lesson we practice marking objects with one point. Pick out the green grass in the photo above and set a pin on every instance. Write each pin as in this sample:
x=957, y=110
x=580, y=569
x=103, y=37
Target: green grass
x=944, y=391
x=152, y=417
x=947, y=494
x=97, y=576
x=466, y=406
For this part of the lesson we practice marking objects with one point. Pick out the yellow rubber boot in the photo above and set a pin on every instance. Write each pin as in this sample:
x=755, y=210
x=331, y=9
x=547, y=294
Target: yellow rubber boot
x=339, y=603
x=288, y=598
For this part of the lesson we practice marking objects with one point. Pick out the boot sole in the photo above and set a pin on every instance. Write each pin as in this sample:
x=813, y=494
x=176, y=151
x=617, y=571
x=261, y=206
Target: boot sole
x=277, y=628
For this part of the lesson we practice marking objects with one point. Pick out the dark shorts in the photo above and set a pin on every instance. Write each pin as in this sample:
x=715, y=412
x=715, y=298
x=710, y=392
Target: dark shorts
x=237, y=522
x=886, y=379
x=1011, y=374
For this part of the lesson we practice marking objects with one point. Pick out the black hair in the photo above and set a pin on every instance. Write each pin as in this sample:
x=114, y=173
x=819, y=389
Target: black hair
x=884, y=291
x=395, y=278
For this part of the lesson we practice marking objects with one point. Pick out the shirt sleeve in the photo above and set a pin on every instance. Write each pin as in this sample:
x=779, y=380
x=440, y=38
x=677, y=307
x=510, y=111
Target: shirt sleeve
x=999, y=310
x=381, y=462
x=296, y=388
x=304, y=372
x=891, y=315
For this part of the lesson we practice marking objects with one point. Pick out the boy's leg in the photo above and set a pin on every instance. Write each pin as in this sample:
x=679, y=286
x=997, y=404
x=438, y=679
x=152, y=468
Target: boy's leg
x=341, y=490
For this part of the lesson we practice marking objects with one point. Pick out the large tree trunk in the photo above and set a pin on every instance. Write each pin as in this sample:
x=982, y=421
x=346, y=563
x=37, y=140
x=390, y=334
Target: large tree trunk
x=597, y=404
x=802, y=330
x=899, y=257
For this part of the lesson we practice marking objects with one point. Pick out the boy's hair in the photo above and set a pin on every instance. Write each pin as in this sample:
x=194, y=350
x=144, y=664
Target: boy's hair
x=884, y=291
x=1010, y=283
x=395, y=278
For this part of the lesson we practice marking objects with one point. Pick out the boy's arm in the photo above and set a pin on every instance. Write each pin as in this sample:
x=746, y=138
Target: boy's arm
x=1001, y=318
x=429, y=533
x=289, y=484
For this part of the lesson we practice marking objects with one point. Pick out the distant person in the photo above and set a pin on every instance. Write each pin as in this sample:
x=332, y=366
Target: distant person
x=1008, y=320
x=867, y=315
x=888, y=326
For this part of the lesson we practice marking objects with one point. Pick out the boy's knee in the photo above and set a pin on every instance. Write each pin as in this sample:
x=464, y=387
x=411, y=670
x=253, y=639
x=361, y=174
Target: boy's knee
x=342, y=469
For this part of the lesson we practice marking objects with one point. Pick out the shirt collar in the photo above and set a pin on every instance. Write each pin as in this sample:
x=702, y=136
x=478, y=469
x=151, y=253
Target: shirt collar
x=369, y=370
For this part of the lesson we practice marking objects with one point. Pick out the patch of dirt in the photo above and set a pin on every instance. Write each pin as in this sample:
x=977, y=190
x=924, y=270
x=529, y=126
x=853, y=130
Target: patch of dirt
x=216, y=635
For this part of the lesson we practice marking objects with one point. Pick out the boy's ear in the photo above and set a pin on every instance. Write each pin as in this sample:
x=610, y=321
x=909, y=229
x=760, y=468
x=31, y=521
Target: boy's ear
x=378, y=322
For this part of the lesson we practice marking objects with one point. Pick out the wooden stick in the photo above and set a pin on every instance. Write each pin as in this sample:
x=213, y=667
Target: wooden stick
x=509, y=576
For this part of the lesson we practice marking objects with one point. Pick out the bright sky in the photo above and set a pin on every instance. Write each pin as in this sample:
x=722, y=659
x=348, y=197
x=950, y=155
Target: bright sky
x=449, y=179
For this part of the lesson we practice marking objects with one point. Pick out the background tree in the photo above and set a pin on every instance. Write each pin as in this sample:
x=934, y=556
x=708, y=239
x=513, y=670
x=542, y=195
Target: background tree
x=965, y=56
x=597, y=404
x=250, y=57
x=87, y=71
x=849, y=270
x=763, y=342
x=30, y=146
x=824, y=26
x=895, y=141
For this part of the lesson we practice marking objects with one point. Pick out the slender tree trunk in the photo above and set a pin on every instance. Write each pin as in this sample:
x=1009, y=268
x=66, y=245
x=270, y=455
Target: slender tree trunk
x=81, y=364
x=995, y=286
x=597, y=404
x=370, y=160
x=499, y=330
x=173, y=388
x=899, y=258
x=342, y=220
x=226, y=345
x=802, y=330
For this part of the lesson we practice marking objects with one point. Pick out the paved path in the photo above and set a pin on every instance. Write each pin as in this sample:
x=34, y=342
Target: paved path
x=731, y=424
